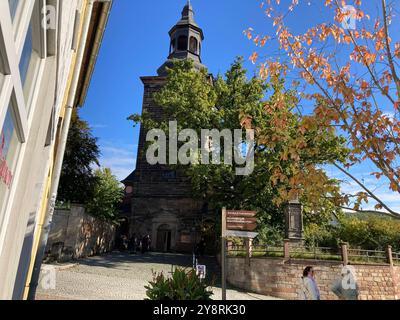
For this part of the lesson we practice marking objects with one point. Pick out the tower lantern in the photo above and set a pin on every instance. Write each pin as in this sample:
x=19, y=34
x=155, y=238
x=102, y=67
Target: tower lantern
x=185, y=40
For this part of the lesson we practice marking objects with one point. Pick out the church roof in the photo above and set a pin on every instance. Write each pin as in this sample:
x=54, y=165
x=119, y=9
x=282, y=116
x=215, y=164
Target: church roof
x=187, y=19
x=129, y=178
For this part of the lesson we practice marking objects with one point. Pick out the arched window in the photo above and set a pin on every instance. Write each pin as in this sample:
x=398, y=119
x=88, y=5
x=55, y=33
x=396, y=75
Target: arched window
x=193, y=45
x=182, y=43
x=173, y=46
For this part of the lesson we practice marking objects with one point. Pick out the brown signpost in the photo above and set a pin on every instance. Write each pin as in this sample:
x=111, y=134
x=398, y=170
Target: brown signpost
x=241, y=220
x=239, y=223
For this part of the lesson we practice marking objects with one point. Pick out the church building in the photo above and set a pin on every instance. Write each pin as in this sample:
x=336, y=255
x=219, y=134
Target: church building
x=159, y=200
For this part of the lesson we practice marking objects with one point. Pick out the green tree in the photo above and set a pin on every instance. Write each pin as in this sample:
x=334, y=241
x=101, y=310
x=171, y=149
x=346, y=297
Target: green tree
x=77, y=181
x=289, y=150
x=107, y=196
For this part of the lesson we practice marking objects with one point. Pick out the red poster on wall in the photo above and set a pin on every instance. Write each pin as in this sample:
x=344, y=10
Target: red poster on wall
x=5, y=141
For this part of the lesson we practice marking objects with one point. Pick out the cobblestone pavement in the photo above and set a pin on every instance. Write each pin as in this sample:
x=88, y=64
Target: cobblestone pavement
x=120, y=276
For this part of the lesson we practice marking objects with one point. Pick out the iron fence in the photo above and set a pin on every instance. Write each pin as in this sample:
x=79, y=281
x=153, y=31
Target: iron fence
x=316, y=253
x=354, y=255
x=396, y=257
x=257, y=250
x=368, y=256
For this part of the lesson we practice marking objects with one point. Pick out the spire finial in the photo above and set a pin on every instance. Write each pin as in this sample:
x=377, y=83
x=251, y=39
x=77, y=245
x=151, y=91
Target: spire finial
x=187, y=12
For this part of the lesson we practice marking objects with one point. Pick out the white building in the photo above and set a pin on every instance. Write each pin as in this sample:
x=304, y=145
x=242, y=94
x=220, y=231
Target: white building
x=48, y=50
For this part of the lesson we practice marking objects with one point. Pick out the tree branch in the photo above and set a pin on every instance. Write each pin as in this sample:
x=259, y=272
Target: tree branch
x=372, y=195
x=389, y=54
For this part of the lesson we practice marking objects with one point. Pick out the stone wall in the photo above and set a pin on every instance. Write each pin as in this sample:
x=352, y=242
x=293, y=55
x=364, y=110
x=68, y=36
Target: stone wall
x=281, y=278
x=75, y=234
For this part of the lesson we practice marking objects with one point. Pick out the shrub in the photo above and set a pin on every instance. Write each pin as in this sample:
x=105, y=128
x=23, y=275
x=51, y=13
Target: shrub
x=366, y=231
x=370, y=232
x=320, y=235
x=183, y=285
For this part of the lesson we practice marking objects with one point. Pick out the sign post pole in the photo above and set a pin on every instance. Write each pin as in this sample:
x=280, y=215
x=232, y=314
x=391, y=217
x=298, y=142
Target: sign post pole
x=223, y=254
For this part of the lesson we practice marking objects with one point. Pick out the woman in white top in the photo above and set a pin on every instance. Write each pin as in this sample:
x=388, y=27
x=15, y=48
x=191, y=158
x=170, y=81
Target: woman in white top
x=310, y=289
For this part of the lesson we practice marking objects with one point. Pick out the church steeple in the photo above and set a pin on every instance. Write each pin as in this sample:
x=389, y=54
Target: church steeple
x=186, y=39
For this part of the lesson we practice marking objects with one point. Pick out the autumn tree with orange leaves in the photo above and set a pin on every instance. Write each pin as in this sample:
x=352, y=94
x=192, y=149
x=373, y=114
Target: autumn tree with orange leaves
x=348, y=78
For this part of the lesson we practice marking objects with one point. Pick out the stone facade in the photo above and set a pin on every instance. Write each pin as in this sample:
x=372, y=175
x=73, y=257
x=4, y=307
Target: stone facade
x=75, y=234
x=281, y=278
x=161, y=201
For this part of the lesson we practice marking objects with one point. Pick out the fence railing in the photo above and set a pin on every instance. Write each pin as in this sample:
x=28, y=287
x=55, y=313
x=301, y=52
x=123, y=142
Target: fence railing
x=396, y=257
x=369, y=256
x=343, y=253
x=316, y=253
x=256, y=250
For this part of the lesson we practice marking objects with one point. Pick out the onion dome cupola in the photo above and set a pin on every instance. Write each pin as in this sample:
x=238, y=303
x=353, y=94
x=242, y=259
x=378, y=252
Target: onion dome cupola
x=186, y=39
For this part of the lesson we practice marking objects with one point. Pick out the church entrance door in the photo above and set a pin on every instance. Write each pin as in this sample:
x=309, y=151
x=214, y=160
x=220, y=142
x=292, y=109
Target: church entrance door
x=164, y=238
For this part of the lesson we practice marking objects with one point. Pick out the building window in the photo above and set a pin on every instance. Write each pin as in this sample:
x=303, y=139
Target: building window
x=173, y=46
x=9, y=147
x=129, y=190
x=193, y=45
x=30, y=59
x=26, y=55
x=182, y=43
x=13, y=7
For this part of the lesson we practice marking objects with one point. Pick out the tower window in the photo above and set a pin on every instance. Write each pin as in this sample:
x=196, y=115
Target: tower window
x=182, y=43
x=193, y=45
x=173, y=46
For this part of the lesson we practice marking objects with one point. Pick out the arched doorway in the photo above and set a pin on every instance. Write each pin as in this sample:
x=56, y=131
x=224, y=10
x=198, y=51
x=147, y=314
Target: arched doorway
x=164, y=234
x=123, y=228
x=122, y=234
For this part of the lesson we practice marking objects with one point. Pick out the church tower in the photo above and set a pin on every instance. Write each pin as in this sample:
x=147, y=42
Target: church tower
x=160, y=197
x=186, y=39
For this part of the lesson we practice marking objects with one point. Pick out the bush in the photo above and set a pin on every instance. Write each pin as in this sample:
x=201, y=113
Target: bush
x=183, y=285
x=370, y=232
x=320, y=235
x=270, y=235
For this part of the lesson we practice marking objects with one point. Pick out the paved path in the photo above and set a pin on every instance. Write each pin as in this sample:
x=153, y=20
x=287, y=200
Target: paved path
x=123, y=277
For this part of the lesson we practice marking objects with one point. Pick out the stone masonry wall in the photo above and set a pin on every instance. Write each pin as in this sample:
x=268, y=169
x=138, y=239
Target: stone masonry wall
x=75, y=234
x=282, y=278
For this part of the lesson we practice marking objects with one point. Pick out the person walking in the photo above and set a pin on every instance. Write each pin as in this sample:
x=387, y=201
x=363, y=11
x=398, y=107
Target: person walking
x=132, y=244
x=146, y=243
x=309, y=290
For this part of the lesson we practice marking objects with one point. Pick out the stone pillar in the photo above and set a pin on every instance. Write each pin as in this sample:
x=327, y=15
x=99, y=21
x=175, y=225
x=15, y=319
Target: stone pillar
x=345, y=256
x=250, y=247
x=294, y=229
x=389, y=255
x=229, y=245
x=248, y=253
x=286, y=249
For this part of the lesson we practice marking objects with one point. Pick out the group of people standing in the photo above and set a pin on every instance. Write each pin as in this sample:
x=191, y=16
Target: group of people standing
x=134, y=244
x=310, y=290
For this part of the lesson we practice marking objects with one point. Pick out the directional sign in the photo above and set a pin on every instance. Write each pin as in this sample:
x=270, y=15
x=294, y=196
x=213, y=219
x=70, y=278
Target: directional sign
x=240, y=213
x=241, y=220
x=235, y=223
x=241, y=227
x=241, y=234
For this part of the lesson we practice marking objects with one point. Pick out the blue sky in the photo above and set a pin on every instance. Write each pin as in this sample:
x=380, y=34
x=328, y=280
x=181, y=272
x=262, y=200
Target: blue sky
x=136, y=43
